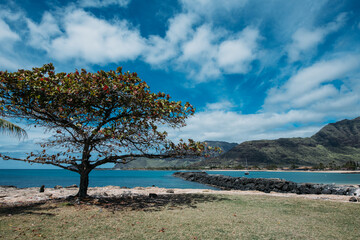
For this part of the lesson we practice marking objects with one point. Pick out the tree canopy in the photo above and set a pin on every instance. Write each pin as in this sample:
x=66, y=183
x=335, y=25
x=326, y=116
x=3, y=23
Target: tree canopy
x=95, y=118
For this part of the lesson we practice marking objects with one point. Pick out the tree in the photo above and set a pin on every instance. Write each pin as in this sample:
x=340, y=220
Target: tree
x=10, y=128
x=95, y=118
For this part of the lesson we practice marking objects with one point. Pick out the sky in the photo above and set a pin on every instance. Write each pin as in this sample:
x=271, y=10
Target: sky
x=254, y=69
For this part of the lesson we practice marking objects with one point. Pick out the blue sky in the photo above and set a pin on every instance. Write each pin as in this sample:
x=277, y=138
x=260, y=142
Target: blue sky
x=254, y=69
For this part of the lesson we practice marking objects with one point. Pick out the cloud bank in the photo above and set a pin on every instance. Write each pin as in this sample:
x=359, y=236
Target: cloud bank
x=295, y=64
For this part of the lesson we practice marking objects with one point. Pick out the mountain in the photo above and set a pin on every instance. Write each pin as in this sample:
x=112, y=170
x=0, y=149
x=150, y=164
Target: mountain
x=143, y=162
x=336, y=143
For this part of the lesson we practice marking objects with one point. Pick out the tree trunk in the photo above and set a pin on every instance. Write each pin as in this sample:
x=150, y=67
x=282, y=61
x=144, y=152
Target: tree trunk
x=84, y=183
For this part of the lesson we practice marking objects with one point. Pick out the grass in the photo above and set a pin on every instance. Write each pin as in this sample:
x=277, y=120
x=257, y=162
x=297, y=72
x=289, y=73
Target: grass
x=184, y=217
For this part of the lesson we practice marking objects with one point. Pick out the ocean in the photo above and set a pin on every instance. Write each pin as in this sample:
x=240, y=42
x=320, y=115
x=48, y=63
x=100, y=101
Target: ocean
x=147, y=178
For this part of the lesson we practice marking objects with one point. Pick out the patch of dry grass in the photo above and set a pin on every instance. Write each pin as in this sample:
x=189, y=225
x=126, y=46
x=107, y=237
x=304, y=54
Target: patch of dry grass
x=184, y=217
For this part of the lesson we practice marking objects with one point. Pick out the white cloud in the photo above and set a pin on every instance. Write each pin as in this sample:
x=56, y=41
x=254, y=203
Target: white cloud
x=211, y=7
x=209, y=53
x=346, y=104
x=103, y=3
x=180, y=27
x=306, y=84
x=41, y=34
x=87, y=38
x=235, y=55
x=160, y=50
x=198, y=55
x=221, y=106
x=9, y=143
x=314, y=96
x=8, y=37
x=9, y=63
x=200, y=50
x=186, y=49
x=6, y=34
x=305, y=39
x=296, y=109
x=236, y=127
x=203, y=52
x=200, y=46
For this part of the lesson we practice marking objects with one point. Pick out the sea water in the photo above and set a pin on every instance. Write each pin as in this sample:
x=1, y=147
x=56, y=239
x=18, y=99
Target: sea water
x=98, y=178
x=147, y=178
x=299, y=177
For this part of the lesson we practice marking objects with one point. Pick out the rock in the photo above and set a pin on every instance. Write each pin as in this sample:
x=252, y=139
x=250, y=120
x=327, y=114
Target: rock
x=169, y=191
x=72, y=186
x=58, y=187
x=126, y=194
x=153, y=195
x=48, y=194
x=326, y=191
x=353, y=199
x=265, y=185
x=42, y=188
x=285, y=187
x=8, y=186
x=279, y=185
x=356, y=192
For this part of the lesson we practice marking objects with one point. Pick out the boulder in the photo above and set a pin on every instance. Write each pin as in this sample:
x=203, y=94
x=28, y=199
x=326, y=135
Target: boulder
x=8, y=186
x=353, y=199
x=153, y=195
x=266, y=185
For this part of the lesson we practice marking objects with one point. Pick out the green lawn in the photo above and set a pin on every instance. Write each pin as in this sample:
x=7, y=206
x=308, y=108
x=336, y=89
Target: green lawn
x=184, y=217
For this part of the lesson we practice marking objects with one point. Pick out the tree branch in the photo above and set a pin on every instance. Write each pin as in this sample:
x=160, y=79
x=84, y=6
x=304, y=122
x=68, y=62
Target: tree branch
x=115, y=159
x=71, y=168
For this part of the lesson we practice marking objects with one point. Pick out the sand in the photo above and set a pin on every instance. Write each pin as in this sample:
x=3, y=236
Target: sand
x=19, y=196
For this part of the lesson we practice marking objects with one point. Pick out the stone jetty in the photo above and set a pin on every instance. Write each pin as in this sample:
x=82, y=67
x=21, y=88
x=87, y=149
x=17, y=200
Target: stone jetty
x=266, y=185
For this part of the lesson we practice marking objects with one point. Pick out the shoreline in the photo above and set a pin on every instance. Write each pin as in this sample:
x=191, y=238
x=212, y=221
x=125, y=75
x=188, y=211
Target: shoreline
x=211, y=170
x=310, y=171
x=22, y=196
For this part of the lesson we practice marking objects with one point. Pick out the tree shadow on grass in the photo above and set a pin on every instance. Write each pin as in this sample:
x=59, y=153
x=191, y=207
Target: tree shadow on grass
x=26, y=208
x=153, y=202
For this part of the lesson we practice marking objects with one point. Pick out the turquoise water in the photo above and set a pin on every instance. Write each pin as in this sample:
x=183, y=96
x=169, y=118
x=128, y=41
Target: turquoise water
x=299, y=177
x=124, y=178
x=142, y=178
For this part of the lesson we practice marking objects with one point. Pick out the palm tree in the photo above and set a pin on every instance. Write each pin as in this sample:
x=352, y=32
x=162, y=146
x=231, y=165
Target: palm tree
x=10, y=128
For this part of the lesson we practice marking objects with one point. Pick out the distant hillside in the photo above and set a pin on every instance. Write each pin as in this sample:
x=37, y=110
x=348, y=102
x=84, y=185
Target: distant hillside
x=335, y=143
x=173, y=162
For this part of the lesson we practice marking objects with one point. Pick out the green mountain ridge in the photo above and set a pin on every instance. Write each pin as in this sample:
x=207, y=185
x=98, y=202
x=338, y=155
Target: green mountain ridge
x=146, y=163
x=336, y=143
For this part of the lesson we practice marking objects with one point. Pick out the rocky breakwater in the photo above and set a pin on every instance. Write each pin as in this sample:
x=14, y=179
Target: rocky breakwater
x=265, y=184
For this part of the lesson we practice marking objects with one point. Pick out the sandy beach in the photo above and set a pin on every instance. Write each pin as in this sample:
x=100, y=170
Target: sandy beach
x=18, y=196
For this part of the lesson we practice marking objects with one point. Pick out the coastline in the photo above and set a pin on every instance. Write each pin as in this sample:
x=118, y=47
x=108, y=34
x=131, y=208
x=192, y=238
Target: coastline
x=310, y=171
x=22, y=196
x=212, y=170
